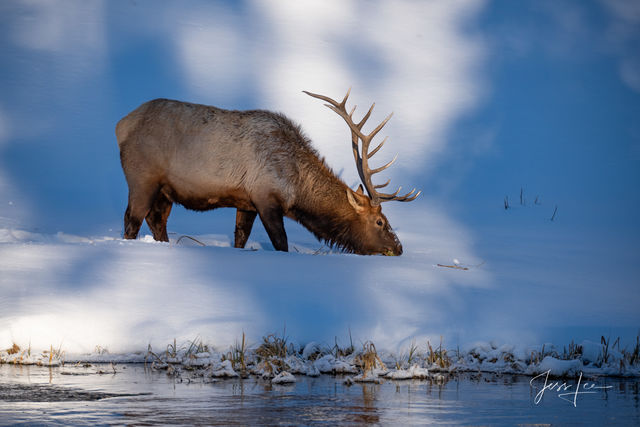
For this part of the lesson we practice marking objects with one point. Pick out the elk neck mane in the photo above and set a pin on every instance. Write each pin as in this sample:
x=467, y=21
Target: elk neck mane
x=321, y=203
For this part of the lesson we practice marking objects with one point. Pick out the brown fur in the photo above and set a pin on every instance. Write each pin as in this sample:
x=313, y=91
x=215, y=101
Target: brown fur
x=259, y=162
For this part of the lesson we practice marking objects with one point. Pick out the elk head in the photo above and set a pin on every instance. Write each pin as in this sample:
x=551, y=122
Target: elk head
x=375, y=233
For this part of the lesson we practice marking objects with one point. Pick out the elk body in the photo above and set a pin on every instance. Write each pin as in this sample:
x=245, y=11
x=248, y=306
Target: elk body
x=258, y=162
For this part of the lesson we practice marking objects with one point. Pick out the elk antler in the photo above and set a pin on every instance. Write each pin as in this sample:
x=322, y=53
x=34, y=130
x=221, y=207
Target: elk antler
x=362, y=154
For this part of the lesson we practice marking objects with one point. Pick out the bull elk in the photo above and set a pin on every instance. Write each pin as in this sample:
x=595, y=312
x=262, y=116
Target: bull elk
x=258, y=162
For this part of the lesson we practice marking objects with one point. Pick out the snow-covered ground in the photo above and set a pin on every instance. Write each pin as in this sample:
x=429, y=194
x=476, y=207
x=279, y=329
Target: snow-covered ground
x=104, y=298
x=84, y=292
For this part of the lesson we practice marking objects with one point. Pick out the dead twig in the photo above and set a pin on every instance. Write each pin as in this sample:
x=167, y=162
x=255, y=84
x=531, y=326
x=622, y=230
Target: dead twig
x=457, y=267
x=189, y=237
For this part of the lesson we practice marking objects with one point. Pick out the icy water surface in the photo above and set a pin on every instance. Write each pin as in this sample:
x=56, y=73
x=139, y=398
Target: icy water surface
x=135, y=396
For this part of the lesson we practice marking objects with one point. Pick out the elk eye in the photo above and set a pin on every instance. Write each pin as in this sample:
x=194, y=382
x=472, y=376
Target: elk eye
x=379, y=222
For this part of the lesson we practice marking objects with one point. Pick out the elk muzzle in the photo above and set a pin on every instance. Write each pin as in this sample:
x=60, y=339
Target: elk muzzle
x=396, y=250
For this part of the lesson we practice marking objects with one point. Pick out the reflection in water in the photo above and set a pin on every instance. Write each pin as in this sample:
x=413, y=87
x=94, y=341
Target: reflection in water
x=460, y=399
x=367, y=412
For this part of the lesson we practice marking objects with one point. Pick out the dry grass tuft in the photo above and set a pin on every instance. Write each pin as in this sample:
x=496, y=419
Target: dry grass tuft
x=55, y=353
x=368, y=359
x=153, y=357
x=172, y=350
x=196, y=346
x=438, y=357
x=237, y=356
x=538, y=356
x=338, y=351
x=407, y=359
x=272, y=346
x=100, y=350
x=633, y=357
x=605, y=348
x=272, y=352
x=574, y=351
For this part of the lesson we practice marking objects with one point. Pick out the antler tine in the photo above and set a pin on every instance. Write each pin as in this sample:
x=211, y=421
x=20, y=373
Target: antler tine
x=391, y=196
x=340, y=109
x=366, y=117
x=329, y=100
x=412, y=198
x=379, y=127
x=344, y=101
x=362, y=154
x=375, y=150
x=406, y=198
x=382, y=185
x=381, y=168
x=356, y=134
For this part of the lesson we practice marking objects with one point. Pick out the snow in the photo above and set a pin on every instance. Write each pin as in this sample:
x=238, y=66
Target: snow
x=591, y=351
x=310, y=348
x=145, y=293
x=329, y=364
x=368, y=377
x=161, y=291
x=414, y=372
x=283, y=378
x=223, y=370
x=192, y=360
x=556, y=367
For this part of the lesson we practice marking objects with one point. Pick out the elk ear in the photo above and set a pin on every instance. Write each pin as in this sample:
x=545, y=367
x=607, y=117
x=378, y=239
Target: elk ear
x=360, y=190
x=355, y=200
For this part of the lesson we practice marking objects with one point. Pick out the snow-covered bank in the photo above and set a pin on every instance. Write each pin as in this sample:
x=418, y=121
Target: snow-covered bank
x=80, y=293
x=277, y=359
x=85, y=292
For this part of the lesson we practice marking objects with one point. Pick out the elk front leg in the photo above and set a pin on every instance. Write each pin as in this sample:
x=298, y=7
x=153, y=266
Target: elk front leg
x=131, y=224
x=158, y=216
x=141, y=197
x=272, y=219
x=244, y=223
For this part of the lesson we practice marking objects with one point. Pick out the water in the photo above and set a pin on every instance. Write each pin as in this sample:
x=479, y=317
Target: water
x=135, y=396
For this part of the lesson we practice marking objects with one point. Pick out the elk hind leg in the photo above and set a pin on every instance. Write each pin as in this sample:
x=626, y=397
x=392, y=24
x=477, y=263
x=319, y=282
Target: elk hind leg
x=244, y=223
x=158, y=216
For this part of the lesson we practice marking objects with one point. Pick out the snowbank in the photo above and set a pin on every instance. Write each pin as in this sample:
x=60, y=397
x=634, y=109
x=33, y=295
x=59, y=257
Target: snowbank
x=83, y=292
x=104, y=299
